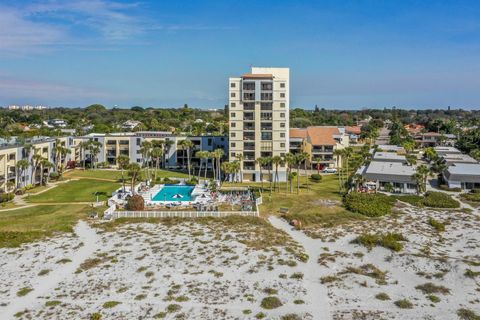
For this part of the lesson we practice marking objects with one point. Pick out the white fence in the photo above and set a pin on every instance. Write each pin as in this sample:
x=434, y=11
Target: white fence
x=180, y=214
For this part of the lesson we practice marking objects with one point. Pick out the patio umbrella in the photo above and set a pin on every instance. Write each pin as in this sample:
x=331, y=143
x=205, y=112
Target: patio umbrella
x=177, y=196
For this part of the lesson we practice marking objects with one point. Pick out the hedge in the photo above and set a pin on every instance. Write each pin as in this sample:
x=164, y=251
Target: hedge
x=370, y=205
x=316, y=177
x=5, y=197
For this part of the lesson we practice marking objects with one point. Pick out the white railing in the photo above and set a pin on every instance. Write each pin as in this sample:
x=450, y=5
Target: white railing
x=180, y=214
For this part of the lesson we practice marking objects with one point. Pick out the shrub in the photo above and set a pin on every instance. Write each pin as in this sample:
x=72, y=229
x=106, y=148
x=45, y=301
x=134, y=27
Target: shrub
x=316, y=177
x=382, y=296
x=271, y=303
x=466, y=314
x=173, y=308
x=96, y=316
x=24, y=291
x=404, y=304
x=193, y=181
x=52, y=303
x=411, y=199
x=388, y=240
x=54, y=175
x=167, y=180
x=436, y=224
x=135, y=202
x=291, y=316
x=472, y=196
x=433, y=298
x=5, y=197
x=370, y=205
x=440, y=200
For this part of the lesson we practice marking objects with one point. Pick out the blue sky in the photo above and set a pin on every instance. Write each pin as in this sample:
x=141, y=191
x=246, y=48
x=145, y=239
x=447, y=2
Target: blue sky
x=342, y=54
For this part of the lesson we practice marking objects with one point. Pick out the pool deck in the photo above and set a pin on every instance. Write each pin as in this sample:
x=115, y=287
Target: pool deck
x=196, y=195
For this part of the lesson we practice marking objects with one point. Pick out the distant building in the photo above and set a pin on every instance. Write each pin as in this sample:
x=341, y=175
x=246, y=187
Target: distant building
x=130, y=124
x=58, y=123
x=463, y=175
x=381, y=175
x=320, y=142
x=389, y=157
x=434, y=139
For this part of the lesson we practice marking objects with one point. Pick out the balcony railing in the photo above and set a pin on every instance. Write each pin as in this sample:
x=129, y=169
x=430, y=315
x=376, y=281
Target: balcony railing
x=249, y=148
x=249, y=118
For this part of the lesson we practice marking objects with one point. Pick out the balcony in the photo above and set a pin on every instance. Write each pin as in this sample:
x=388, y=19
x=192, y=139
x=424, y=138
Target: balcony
x=266, y=106
x=249, y=146
x=267, y=86
x=266, y=126
x=249, y=86
x=249, y=106
x=249, y=136
x=248, y=96
x=266, y=96
x=248, y=127
x=249, y=117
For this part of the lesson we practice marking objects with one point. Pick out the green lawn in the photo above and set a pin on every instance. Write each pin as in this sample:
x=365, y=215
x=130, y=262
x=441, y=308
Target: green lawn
x=77, y=191
x=117, y=174
x=33, y=223
x=306, y=205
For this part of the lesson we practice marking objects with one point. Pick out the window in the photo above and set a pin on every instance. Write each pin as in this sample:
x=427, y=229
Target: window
x=232, y=94
x=232, y=134
x=282, y=125
x=282, y=134
x=233, y=145
x=11, y=156
x=233, y=154
x=282, y=154
x=282, y=95
x=233, y=105
x=282, y=145
x=232, y=114
x=233, y=125
x=282, y=85
x=282, y=115
x=232, y=85
x=282, y=105
x=266, y=136
x=209, y=141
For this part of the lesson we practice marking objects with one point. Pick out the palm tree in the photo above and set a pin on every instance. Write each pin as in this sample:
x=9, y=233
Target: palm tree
x=157, y=154
x=36, y=159
x=22, y=166
x=122, y=162
x=218, y=154
x=305, y=157
x=298, y=160
x=268, y=163
x=211, y=155
x=167, y=145
x=359, y=180
x=145, y=148
x=339, y=154
x=201, y=156
x=318, y=160
x=94, y=148
x=239, y=158
x=45, y=164
x=348, y=151
x=422, y=172
x=82, y=147
x=261, y=162
x=187, y=145
x=290, y=161
x=204, y=156
x=411, y=159
x=134, y=170
x=276, y=160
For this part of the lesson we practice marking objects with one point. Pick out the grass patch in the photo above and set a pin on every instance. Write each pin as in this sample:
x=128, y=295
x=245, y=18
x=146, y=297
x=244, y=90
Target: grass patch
x=111, y=304
x=467, y=314
x=117, y=174
x=173, y=308
x=52, y=303
x=471, y=274
x=24, y=291
x=34, y=223
x=328, y=279
x=77, y=191
x=44, y=272
x=429, y=288
x=404, y=304
x=433, y=298
x=389, y=240
x=271, y=302
x=436, y=199
x=437, y=225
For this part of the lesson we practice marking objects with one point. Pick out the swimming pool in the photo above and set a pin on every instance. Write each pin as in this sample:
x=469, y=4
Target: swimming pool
x=174, y=193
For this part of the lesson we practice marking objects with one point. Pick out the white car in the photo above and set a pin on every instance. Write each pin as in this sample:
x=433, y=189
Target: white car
x=329, y=170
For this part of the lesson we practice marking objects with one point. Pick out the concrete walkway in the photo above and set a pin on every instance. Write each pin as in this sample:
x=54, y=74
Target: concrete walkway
x=317, y=295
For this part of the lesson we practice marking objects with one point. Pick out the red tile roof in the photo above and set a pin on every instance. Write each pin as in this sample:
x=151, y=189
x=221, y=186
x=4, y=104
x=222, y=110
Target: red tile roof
x=298, y=133
x=353, y=129
x=322, y=136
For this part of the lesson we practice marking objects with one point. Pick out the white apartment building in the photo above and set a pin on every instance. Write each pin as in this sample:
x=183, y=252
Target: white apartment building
x=259, y=119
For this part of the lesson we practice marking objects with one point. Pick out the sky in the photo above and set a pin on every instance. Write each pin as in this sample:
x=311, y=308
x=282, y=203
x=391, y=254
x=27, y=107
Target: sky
x=341, y=54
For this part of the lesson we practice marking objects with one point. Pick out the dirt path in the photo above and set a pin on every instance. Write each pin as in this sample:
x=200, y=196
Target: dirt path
x=317, y=295
x=45, y=284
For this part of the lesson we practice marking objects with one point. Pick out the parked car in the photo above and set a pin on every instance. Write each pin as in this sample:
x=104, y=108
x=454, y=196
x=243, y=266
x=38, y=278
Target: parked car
x=329, y=170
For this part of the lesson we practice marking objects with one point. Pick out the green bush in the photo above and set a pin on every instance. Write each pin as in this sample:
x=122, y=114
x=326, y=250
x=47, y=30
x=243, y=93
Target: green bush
x=167, y=180
x=316, y=177
x=472, y=196
x=54, y=175
x=404, y=304
x=370, y=205
x=193, y=181
x=271, y=303
x=411, y=199
x=440, y=200
x=5, y=197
